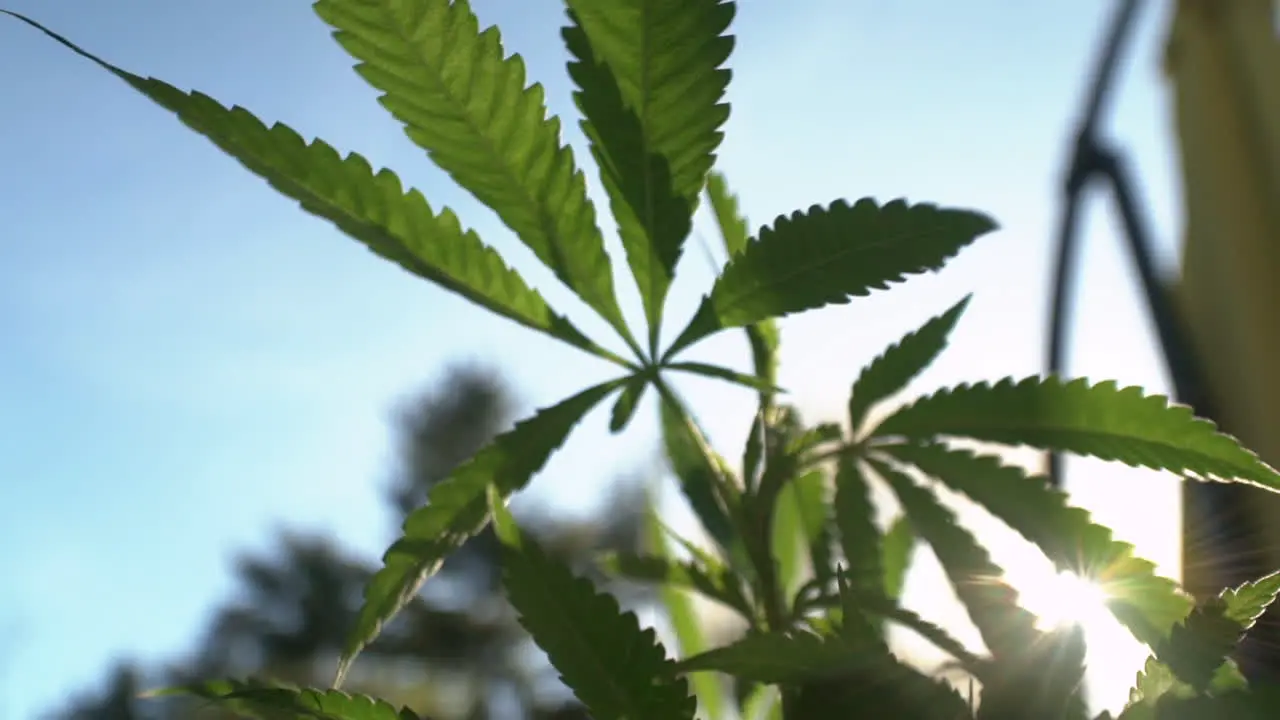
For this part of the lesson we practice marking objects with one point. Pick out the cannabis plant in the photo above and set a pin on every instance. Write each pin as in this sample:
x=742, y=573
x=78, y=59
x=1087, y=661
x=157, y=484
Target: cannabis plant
x=651, y=77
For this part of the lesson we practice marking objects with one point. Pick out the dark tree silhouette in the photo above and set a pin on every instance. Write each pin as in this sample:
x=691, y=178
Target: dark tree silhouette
x=457, y=651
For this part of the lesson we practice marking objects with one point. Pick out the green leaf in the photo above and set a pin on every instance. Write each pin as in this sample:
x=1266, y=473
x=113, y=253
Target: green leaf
x=370, y=207
x=897, y=545
x=1198, y=647
x=1147, y=604
x=650, y=89
x=733, y=225
x=724, y=373
x=942, y=639
x=834, y=674
x=628, y=401
x=618, y=670
x=796, y=527
x=859, y=534
x=699, y=470
x=763, y=336
x=813, y=437
x=1099, y=420
x=1243, y=605
x=259, y=699
x=456, y=509
x=778, y=658
x=467, y=105
x=991, y=603
x=709, y=691
x=828, y=255
x=715, y=581
x=1156, y=681
x=901, y=363
x=1259, y=702
x=813, y=507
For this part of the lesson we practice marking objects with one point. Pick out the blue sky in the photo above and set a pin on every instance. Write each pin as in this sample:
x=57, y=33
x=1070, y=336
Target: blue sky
x=188, y=362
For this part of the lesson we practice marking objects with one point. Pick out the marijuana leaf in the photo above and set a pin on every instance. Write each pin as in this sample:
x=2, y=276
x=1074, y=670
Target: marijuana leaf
x=1146, y=603
x=617, y=670
x=456, y=509
x=700, y=471
x=991, y=603
x=651, y=85
x=859, y=535
x=467, y=105
x=1099, y=420
x=271, y=700
x=370, y=207
x=717, y=582
x=898, y=365
x=898, y=543
x=827, y=255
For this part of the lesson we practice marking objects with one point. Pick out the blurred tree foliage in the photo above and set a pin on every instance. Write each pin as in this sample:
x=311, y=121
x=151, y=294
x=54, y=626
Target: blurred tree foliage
x=457, y=652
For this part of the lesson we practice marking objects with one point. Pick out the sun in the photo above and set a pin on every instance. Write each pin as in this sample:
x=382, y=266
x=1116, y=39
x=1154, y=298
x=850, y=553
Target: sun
x=1063, y=599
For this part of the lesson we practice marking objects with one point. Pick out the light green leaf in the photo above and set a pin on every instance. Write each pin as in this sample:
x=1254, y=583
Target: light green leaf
x=685, y=623
x=618, y=670
x=795, y=528
x=628, y=401
x=901, y=363
x=467, y=105
x=699, y=470
x=813, y=437
x=813, y=506
x=898, y=545
x=270, y=701
x=650, y=89
x=456, y=509
x=991, y=603
x=828, y=255
x=1099, y=420
x=859, y=534
x=370, y=207
x=1156, y=680
x=1244, y=604
x=764, y=336
x=733, y=225
x=1147, y=604
x=715, y=581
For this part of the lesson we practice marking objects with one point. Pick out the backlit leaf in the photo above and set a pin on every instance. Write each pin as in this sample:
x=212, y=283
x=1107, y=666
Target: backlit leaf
x=618, y=670
x=457, y=509
x=272, y=701
x=650, y=86
x=1147, y=604
x=464, y=102
x=901, y=363
x=826, y=256
x=370, y=207
x=1099, y=420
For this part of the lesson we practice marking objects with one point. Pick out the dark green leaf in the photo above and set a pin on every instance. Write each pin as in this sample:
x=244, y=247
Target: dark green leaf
x=859, y=534
x=1144, y=602
x=699, y=471
x=618, y=670
x=1099, y=420
x=456, y=509
x=828, y=255
x=628, y=400
x=272, y=701
x=793, y=657
x=813, y=437
x=650, y=89
x=901, y=363
x=467, y=105
x=991, y=603
x=1197, y=648
x=370, y=207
